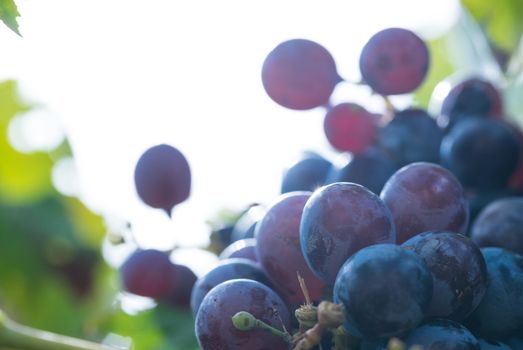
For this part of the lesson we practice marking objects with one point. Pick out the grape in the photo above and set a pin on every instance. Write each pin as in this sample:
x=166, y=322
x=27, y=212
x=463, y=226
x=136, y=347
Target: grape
x=299, y=74
x=148, y=273
x=279, y=251
x=349, y=127
x=482, y=153
x=500, y=224
x=459, y=273
x=394, y=61
x=162, y=177
x=246, y=224
x=480, y=200
x=227, y=270
x=485, y=344
x=371, y=169
x=412, y=136
x=307, y=174
x=385, y=290
x=184, y=279
x=425, y=197
x=500, y=313
x=338, y=220
x=214, y=327
x=473, y=97
x=242, y=248
x=442, y=335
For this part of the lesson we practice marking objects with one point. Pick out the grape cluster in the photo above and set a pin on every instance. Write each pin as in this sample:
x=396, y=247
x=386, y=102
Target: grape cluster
x=417, y=239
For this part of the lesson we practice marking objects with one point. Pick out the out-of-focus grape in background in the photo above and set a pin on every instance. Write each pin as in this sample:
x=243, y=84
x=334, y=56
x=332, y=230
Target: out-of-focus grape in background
x=104, y=80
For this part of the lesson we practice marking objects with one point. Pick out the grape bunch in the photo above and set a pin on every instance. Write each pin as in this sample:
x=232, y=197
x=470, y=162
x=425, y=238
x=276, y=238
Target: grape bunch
x=416, y=241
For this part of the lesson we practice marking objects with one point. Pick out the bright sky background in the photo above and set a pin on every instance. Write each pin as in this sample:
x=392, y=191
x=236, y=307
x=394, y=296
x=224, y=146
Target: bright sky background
x=123, y=75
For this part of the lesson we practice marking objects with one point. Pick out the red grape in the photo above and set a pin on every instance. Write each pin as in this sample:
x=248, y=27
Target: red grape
x=349, y=127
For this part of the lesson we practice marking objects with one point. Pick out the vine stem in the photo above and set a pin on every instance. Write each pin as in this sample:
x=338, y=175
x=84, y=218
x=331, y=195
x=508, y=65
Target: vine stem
x=14, y=335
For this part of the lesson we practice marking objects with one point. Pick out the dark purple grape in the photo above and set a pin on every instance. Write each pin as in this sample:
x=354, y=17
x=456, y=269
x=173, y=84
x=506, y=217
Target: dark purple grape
x=394, y=61
x=279, y=251
x=299, y=74
x=482, y=153
x=385, y=290
x=500, y=224
x=412, y=136
x=500, y=313
x=227, y=270
x=473, y=97
x=442, y=335
x=371, y=169
x=214, y=327
x=307, y=174
x=148, y=273
x=162, y=177
x=338, y=220
x=515, y=343
x=459, y=273
x=485, y=344
x=350, y=128
x=185, y=280
x=480, y=200
x=242, y=248
x=425, y=197
x=246, y=224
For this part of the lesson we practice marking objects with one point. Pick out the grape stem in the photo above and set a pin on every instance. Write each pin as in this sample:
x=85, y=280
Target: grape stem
x=14, y=335
x=245, y=321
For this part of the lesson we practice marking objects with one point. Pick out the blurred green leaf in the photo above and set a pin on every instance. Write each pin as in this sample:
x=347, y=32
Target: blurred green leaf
x=502, y=20
x=8, y=14
x=23, y=177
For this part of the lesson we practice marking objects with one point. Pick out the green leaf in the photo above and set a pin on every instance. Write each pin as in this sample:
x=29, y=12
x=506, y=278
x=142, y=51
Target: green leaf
x=8, y=14
x=501, y=19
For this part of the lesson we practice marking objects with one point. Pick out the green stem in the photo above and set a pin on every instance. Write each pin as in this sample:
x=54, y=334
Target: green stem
x=14, y=335
x=245, y=321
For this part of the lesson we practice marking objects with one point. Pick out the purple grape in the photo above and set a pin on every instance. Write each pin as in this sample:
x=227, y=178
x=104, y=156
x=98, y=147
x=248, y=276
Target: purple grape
x=228, y=269
x=242, y=248
x=425, y=197
x=246, y=224
x=394, y=61
x=350, y=128
x=412, y=136
x=307, y=174
x=338, y=220
x=299, y=74
x=482, y=153
x=185, y=280
x=148, y=273
x=485, y=344
x=214, y=327
x=500, y=313
x=279, y=251
x=162, y=177
x=385, y=291
x=459, y=273
x=472, y=97
x=500, y=224
x=442, y=335
x=371, y=169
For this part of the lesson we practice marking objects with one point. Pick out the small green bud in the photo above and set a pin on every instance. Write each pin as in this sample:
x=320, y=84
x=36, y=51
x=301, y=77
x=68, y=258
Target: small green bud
x=244, y=321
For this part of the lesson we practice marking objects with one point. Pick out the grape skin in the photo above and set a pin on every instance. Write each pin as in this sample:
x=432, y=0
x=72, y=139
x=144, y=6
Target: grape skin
x=279, y=251
x=144, y=273
x=350, y=128
x=242, y=248
x=299, y=74
x=228, y=269
x=162, y=177
x=385, y=290
x=307, y=174
x=425, y=197
x=215, y=330
x=442, y=334
x=338, y=220
x=459, y=273
x=394, y=61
